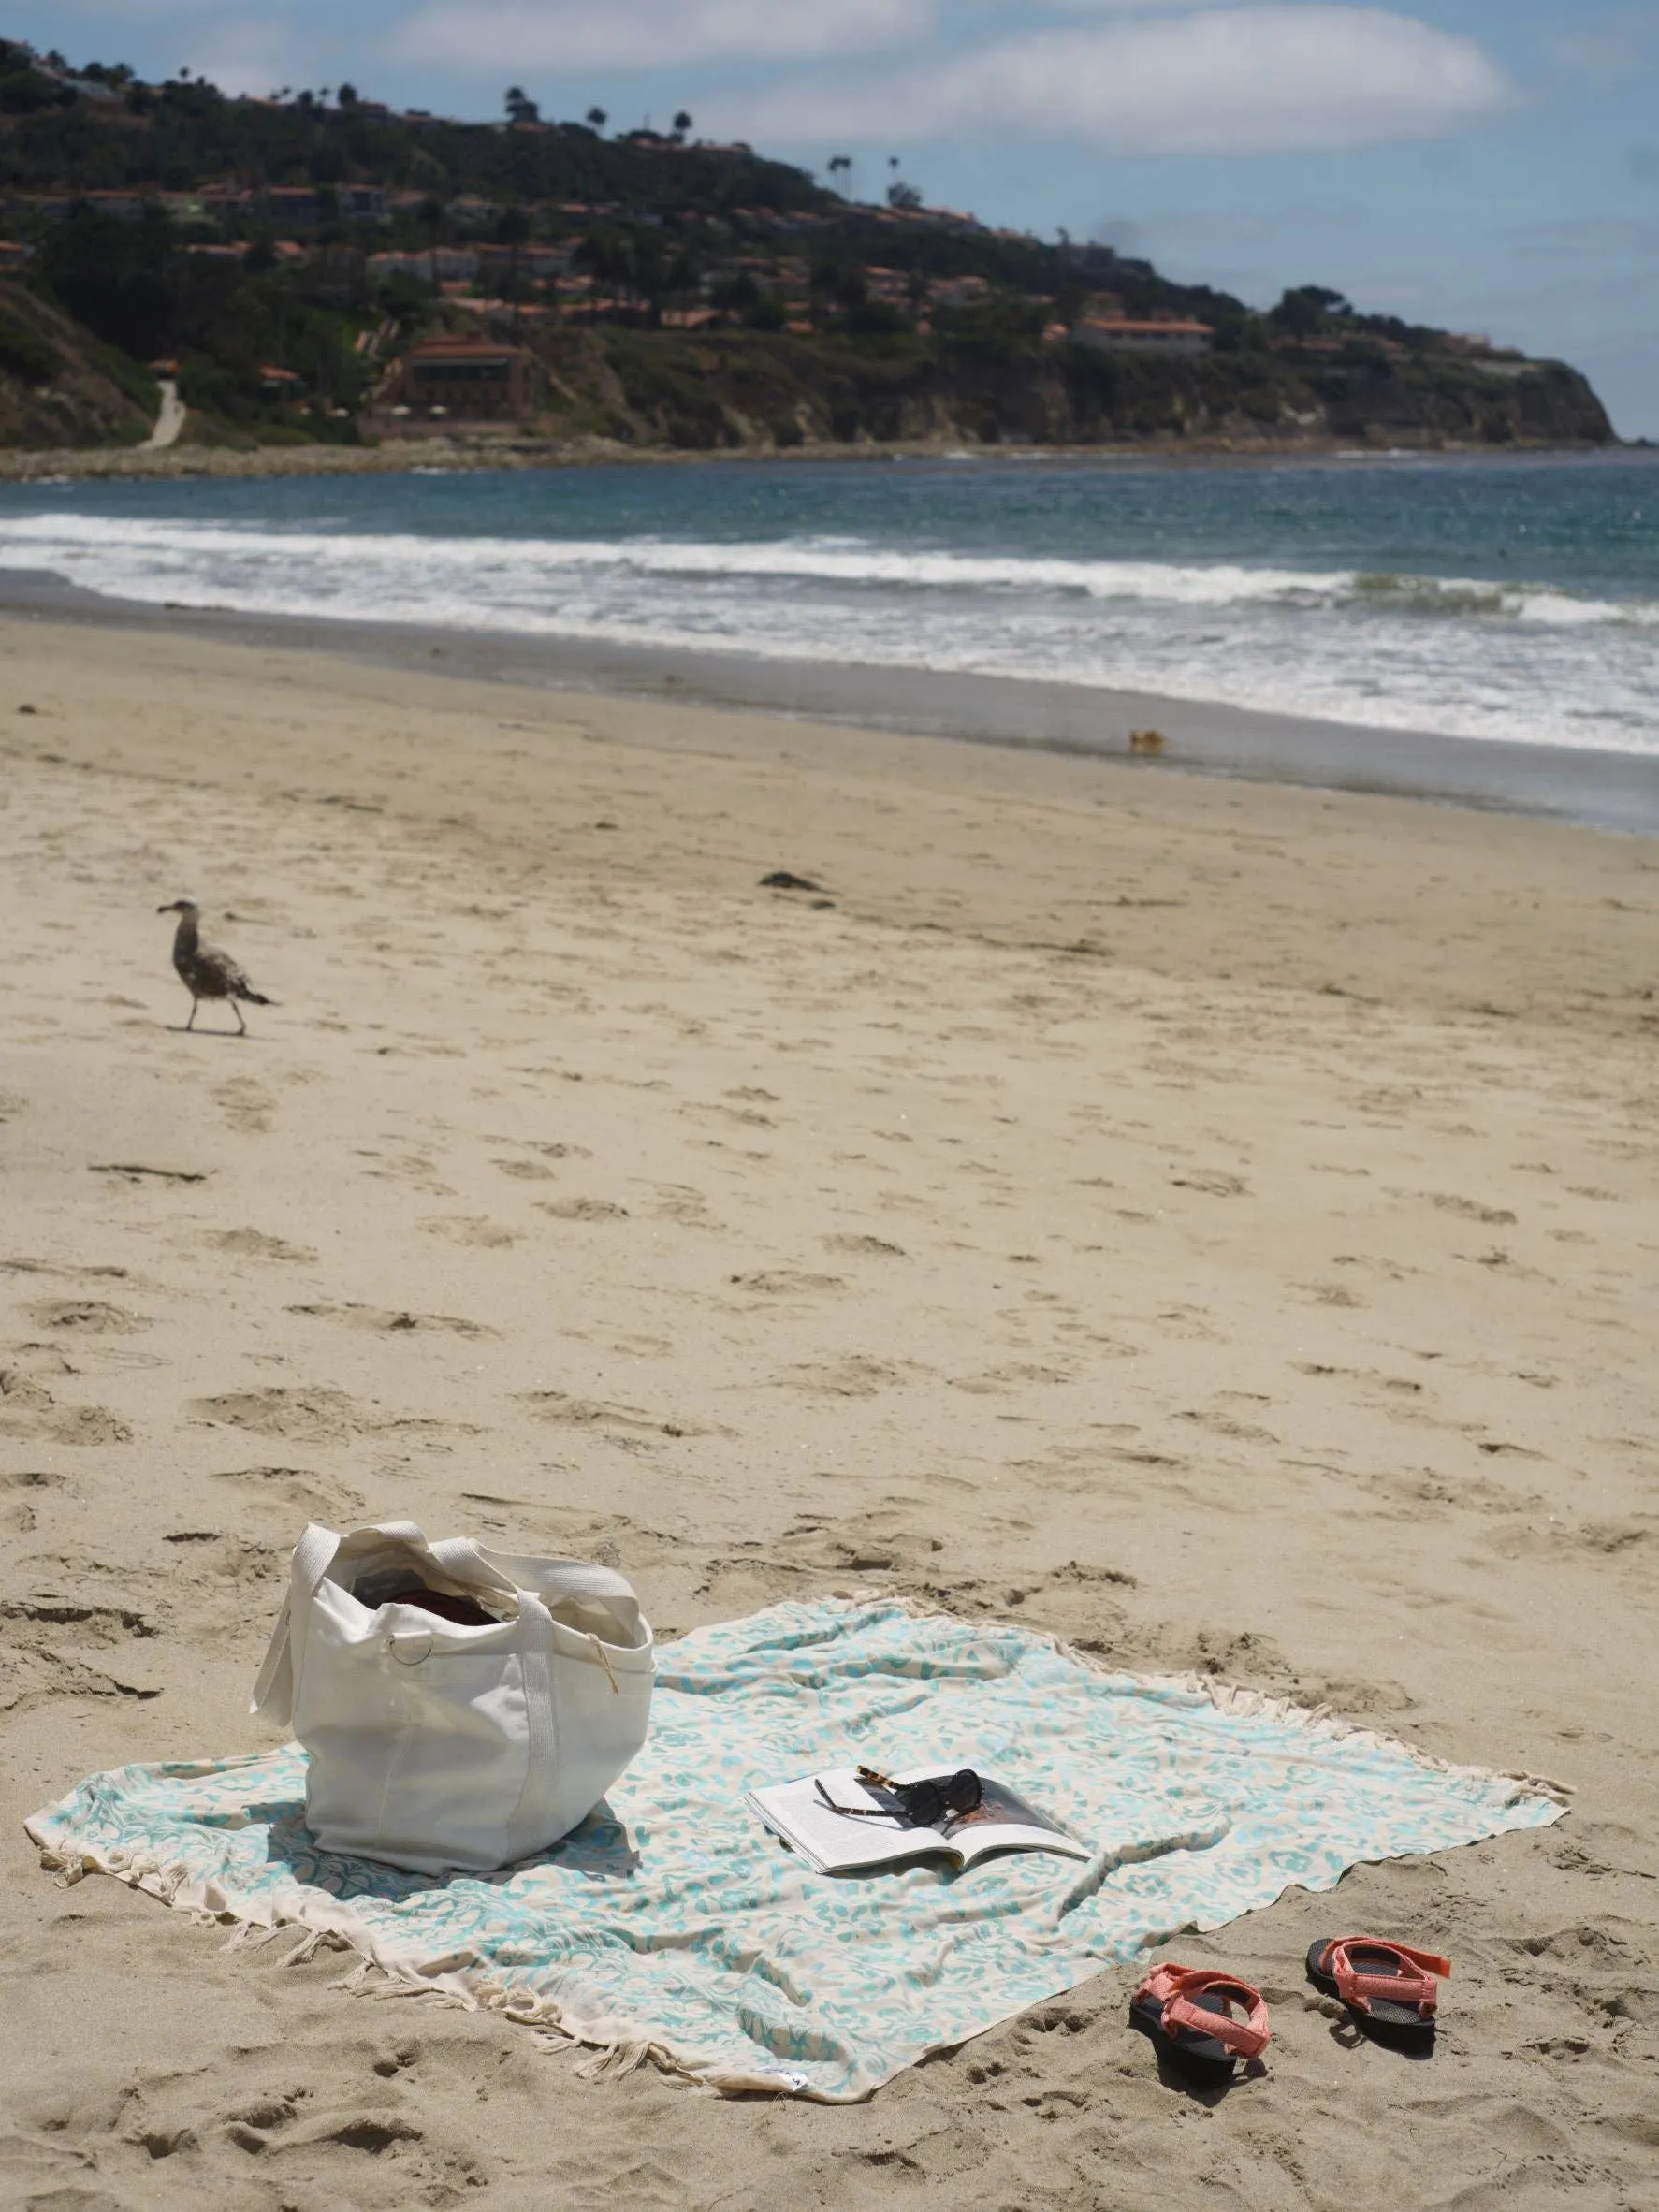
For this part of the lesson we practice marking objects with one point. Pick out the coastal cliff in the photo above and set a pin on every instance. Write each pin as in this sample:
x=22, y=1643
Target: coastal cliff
x=68, y=402
x=750, y=390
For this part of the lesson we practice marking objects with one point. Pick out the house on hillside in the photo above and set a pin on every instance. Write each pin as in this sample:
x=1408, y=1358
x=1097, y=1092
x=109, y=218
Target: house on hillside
x=962, y=291
x=123, y=206
x=445, y=264
x=1125, y=334
x=472, y=213
x=361, y=203
x=460, y=380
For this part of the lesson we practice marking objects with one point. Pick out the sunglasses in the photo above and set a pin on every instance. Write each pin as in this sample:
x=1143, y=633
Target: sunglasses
x=920, y=1804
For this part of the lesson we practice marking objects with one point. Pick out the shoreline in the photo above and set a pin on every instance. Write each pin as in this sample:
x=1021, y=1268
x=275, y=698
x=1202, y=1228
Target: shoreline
x=185, y=464
x=1591, y=789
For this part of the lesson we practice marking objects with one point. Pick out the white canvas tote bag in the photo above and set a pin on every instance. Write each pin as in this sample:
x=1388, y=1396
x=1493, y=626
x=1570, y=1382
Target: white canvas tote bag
x=437, y=1745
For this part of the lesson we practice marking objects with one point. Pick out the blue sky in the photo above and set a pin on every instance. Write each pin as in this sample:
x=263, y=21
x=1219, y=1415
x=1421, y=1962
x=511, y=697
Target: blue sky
x=1488, y=164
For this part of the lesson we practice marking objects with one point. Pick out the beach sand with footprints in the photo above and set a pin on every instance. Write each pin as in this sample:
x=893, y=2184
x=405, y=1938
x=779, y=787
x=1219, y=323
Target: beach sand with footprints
x=1219, y=1224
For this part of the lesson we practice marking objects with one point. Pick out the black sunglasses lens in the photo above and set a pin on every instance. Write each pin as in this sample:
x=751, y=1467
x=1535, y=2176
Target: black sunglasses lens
x=923, y=1801
x=963, y=1791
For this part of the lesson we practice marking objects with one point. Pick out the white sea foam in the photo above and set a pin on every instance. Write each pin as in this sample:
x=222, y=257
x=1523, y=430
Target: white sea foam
x=1394, y=650
x=136, y=545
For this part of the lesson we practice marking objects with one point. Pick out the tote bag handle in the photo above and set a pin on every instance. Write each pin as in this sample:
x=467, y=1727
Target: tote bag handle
x=313, y=1555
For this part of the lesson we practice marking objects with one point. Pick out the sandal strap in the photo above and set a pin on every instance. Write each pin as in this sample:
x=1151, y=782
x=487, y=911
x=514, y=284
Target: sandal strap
x=1401, y=1988
x=1175, y=1987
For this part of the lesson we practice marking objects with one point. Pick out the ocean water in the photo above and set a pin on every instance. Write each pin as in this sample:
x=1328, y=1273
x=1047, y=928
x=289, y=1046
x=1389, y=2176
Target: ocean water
x=1492, y=597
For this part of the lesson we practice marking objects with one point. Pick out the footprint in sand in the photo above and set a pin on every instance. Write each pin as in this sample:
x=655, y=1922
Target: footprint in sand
x=582, y=1209
x=314, y=1416
x=786, y=1282
x=317, y=1414
x=63, y=1274
x=254, y=1245
x=857, y=1376
x=85, y=1316
x=1446, y=1201
x=28, y=1409
x=245, y=1105
x=294, y=1490
x=21, y=1493
x=595, y=1412
x=383, y=1320
x=866, y=1246
x=470, y=1229
x=1002, y=1381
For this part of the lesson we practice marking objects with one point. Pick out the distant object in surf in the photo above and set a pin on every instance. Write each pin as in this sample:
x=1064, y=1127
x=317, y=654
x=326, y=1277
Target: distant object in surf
x=782, y=880
x=1147, y=742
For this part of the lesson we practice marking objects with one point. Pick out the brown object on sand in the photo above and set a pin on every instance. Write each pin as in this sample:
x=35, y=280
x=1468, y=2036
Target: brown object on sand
x=1149, y=742
x=204, y=971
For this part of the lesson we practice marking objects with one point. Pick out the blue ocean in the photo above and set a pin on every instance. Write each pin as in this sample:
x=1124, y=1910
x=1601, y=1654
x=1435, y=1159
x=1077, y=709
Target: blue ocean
x=1487, y=597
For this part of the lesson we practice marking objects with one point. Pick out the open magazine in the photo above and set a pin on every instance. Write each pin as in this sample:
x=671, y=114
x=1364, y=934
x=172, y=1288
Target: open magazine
x=832, y=1843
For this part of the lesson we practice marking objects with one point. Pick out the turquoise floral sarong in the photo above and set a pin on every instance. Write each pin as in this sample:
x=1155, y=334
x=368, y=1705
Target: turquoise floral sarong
x=672, y=1924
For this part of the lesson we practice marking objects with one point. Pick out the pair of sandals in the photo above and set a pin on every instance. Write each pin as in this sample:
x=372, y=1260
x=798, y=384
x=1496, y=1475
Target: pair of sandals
x=1193, y=2014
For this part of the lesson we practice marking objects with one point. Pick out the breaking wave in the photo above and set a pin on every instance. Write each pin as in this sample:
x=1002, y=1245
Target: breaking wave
x=258, y=570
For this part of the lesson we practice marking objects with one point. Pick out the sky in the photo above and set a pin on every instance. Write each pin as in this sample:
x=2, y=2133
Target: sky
x=1483, y=165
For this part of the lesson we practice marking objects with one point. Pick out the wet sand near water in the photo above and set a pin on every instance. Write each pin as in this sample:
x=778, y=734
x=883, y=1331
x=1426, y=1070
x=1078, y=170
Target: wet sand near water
x=1596, y=788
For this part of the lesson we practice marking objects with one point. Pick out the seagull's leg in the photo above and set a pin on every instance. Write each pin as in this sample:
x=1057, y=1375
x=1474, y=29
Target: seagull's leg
x=241, y=1026
x=194, y=1002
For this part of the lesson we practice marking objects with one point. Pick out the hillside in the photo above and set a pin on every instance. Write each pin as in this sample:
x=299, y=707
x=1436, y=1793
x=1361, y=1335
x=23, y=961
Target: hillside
x=287, y=254
x=59, y=386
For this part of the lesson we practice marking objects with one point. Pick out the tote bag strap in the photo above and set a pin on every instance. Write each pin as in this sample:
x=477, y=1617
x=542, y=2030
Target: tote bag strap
x=554, y=1579
x=273, y=1693
x=459, y=1556
x=313, y=1555
x=535, y=1660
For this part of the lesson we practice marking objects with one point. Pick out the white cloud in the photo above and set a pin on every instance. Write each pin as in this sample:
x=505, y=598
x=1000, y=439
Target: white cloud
x=1255, y=80
x=524, y=36
x=239, y=54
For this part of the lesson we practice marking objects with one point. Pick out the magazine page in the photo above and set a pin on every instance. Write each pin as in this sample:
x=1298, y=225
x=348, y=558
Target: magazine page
x=844, y=1842
x=1001, y=1821
x=834, y=1844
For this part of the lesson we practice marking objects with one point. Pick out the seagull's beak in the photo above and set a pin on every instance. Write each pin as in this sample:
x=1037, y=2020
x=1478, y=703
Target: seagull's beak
x=169, y=909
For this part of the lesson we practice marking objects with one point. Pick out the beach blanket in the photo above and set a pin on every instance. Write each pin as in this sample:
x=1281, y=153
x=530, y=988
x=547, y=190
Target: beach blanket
x=673, y=1924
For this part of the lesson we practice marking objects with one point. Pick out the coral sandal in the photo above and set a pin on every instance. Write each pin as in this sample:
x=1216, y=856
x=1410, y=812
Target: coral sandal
x=1188, y=2011
x=1389, y=1988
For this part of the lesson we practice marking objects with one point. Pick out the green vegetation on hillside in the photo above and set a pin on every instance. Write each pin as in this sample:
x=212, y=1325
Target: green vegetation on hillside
x=284, y=252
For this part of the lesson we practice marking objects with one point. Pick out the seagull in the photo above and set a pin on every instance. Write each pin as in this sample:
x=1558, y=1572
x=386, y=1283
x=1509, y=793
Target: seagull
x=204, y=971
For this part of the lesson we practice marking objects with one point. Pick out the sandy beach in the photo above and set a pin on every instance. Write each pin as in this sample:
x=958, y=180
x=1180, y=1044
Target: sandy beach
x=1214, y=1221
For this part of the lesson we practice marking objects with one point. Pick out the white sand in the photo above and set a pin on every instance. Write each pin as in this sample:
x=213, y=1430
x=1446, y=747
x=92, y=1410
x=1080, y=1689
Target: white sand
x=1266, y=1286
